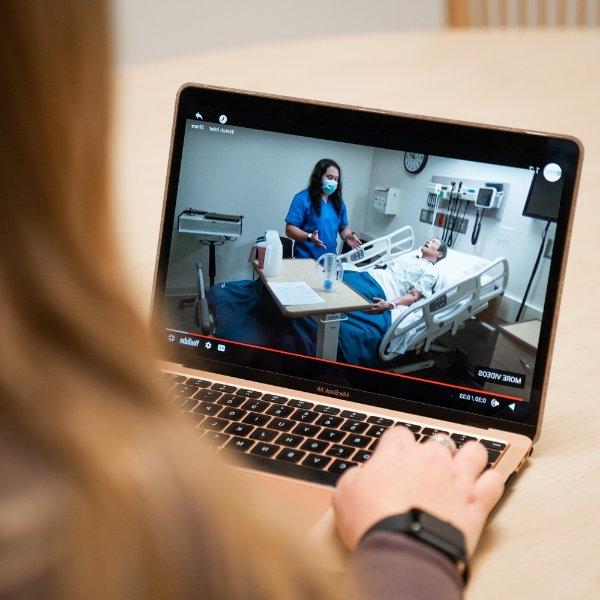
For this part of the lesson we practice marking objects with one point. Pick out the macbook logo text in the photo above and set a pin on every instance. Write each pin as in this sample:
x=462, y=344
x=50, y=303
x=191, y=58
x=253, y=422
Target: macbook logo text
x=332, y=392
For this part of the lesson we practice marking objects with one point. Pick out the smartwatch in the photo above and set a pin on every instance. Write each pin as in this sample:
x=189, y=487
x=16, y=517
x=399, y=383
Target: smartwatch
x=432, y=531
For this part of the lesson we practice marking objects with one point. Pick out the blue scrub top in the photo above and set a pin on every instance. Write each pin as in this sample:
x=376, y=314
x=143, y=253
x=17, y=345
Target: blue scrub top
x=328, y=223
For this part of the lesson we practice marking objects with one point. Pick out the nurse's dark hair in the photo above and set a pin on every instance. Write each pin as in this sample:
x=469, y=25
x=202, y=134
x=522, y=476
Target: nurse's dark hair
x=315, y=191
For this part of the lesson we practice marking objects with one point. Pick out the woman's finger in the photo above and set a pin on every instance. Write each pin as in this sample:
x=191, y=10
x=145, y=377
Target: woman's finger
x=489, y=489
x=470, y=460
x=394, y=439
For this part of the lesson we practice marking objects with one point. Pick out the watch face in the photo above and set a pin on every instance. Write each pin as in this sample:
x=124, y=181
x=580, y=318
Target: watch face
x=414, y=163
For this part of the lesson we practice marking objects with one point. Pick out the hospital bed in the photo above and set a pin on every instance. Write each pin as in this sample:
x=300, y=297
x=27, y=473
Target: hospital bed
x=466, y=284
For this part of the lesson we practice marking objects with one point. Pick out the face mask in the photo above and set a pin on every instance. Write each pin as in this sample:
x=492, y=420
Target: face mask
x=329, y=186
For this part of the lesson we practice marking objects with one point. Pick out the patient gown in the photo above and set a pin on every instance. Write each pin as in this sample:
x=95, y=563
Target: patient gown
x=245, y=312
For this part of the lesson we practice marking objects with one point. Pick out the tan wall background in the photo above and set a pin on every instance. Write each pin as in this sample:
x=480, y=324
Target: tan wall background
x=156, y=29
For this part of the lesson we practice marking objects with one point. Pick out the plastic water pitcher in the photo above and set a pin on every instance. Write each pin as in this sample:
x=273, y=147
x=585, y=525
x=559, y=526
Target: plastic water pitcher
x=332, y=269
x=273, y=254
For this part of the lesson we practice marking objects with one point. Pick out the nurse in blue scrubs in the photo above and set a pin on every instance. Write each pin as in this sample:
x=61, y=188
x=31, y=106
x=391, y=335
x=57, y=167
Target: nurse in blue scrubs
x=318, y=214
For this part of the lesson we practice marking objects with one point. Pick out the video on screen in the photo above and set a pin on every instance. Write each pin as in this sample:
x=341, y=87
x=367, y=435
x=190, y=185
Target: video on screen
x=389, y=260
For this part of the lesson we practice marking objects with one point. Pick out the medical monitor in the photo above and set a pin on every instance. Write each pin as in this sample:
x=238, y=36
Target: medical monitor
x=466, y=336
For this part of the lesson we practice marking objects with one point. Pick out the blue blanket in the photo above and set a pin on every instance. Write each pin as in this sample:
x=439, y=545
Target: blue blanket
x=245, y=312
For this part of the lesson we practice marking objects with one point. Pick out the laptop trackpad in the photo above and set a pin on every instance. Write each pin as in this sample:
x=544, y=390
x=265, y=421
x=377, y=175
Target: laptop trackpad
x=309, y=509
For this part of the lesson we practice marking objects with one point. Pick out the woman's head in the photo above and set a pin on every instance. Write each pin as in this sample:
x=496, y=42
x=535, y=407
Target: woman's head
x=326, y=178
x=113, y=495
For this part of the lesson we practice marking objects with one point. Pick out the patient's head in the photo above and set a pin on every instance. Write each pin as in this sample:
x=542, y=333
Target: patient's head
x=434, y=250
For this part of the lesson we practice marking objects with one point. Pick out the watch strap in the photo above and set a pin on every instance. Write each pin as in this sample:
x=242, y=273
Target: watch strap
x=430, y=530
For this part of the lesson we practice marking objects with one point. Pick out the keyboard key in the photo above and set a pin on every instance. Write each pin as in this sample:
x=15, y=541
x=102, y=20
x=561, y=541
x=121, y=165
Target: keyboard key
x=240, y=444
x=331, y=435
x=327, y=421
x=433, y=431
x=340, y=451
x=256, y=419
x=280, y=411
x=354, y=426
x=201, y=383
x=339, y=466
x=288, y=439
x=183, y=389
x=316, y=461
x=194, y=418
x=214, y=438
x=289, y=455
x=306, y=430
x=274, y=398
x=230, y=400
x=493, y=445
x=376, y=431
x=328, y=410
x=493, y=455
x=306, y=416
x=264, y=449
x=206, y=408
x=363, y=456
x=223, y=387
x=173, y=378
x=358, y=441
x=424, y=438
x=255, y=405
x=263, y=435
x=281, y=424
x=414, y=428
x=215, y=424
x=300, y=404
x=208, y=395
x=248, y=393
x=380, y=421
x=354, y=416
x=374, y=444
x=185, y=404
x=461, y=438
x=239, y=429
x=233, y=414
x=314, y=446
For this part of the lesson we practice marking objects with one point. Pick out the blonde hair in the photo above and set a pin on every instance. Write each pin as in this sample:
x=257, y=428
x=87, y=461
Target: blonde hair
x=108, y=494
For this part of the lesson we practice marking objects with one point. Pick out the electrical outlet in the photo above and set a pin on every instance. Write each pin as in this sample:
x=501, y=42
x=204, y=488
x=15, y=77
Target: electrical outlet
x=505, y=234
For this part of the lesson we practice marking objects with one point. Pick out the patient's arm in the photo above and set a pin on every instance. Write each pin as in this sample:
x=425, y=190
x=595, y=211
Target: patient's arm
x=409, y=298
x=380, y=305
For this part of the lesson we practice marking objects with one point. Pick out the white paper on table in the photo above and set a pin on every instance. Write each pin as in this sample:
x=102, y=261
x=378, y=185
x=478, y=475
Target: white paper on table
x=294, y=293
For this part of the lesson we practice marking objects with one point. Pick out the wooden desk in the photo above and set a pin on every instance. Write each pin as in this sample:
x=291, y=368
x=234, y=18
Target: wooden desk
x=327, y=315
x=544, y=542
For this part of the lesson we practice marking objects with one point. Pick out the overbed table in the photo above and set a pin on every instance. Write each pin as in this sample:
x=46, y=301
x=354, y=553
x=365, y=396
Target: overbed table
x=329, y=314
x=545, y=540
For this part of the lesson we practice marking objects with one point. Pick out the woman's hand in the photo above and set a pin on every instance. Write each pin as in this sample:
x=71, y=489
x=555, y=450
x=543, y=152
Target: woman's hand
x=379, y=305
x=353, y=241
x=314, y=238
x=403, y=474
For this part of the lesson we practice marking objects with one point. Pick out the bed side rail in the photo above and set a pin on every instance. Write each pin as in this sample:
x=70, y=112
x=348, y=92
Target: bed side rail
x=379, y=250
x=447, y=309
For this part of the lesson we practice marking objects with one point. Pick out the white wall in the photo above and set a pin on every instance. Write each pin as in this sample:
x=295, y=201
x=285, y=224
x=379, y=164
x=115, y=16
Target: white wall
x=521, y=251
x=256, y=174
x=148, y=31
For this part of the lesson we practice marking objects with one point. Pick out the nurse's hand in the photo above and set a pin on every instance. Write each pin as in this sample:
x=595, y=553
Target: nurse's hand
x=380, y=305
x=353, y=241
x=314, y=238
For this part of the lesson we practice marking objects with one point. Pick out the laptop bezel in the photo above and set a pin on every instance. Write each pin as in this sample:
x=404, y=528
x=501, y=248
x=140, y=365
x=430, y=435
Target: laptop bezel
x=424, y=128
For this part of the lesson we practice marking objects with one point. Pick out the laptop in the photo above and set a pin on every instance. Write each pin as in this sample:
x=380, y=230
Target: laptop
x=298, y=380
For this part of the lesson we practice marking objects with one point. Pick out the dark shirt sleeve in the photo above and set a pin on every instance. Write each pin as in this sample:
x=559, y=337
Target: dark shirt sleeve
x=389, y=566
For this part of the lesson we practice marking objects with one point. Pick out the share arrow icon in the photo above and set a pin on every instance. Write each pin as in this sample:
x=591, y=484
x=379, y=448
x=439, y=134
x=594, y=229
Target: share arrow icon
x=199, y=116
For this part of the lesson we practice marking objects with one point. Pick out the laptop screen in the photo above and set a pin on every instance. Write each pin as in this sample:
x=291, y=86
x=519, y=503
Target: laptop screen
x=395, y=261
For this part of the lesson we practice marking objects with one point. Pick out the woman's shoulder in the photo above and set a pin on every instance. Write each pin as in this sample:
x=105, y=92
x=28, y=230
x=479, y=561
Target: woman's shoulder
x=302, y=196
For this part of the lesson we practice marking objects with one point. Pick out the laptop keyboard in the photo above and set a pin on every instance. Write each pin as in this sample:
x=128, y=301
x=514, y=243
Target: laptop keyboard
x=293, y=437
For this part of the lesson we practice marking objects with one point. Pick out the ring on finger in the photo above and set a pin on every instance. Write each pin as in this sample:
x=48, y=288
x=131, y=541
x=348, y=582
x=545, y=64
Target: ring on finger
x=445, y=440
